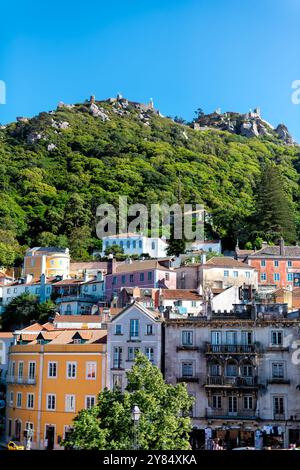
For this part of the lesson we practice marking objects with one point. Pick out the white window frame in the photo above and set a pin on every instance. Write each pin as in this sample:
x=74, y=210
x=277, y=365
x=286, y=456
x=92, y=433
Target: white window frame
x=71, y=363
x=48, y=395
x=29, y=375
x=27, y=401
x=87, y=365
x=69, y=400
x=89, y=398
x=56, y=370
x=19, y=405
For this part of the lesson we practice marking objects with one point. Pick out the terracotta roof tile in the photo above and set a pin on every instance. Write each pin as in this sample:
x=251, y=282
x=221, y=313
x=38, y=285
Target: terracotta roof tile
x=180, y=294
x=226, y=261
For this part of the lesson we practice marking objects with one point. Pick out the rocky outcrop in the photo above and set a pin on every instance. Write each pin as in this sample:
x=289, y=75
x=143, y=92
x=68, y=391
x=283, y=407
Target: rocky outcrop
x=98, y=112
x=284, y=135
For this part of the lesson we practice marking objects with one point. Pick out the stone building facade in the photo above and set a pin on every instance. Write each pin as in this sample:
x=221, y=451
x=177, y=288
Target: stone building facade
x=244, y=374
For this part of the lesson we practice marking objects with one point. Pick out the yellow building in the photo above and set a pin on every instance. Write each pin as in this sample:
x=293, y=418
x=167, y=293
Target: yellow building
x=53, y=373
x=51, y=261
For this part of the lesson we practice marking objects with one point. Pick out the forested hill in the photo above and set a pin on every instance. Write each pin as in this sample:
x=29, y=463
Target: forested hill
x=57, y=167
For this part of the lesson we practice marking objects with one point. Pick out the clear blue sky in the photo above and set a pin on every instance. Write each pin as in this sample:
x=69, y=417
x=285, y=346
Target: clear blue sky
x=185, y=54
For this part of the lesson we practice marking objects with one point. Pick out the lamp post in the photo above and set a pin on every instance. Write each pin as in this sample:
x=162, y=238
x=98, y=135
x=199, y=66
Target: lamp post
x=136, y=415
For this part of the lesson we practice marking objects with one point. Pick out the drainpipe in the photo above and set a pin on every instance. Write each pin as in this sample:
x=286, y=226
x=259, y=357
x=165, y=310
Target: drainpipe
x=40, y=385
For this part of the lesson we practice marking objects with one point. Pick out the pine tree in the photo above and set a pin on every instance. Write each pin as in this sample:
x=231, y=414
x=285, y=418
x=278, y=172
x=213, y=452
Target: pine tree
x=274, y=217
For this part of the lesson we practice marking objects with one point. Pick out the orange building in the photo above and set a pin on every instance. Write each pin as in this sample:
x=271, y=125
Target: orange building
x=53, y=374
x=51, y=261
x=277, y=266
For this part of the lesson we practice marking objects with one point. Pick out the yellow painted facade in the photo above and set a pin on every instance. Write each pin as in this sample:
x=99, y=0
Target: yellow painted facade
x=66, y=379
x=50, y=263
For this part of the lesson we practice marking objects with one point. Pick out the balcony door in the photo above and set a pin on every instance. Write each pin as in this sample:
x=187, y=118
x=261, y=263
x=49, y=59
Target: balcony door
x=232, y=405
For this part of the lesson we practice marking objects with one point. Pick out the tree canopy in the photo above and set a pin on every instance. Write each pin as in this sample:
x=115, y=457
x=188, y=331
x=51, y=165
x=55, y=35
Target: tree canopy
x=164, y=424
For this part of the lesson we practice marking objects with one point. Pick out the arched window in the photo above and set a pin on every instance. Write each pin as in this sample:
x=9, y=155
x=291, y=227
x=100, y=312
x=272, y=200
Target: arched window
x=231, y=369
x=68, y=309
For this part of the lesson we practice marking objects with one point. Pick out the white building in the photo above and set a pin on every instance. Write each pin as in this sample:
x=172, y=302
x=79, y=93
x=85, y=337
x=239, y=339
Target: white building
x=6, y=340
x=134, y=329
x=136, y=244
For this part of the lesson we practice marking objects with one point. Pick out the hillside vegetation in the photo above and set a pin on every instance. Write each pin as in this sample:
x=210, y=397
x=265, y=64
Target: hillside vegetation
x=56, y=168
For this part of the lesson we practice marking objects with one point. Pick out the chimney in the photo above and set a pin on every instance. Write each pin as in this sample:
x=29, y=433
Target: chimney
x=28, y=278
x=281, y=245
x=203, y=258
x=111, y=265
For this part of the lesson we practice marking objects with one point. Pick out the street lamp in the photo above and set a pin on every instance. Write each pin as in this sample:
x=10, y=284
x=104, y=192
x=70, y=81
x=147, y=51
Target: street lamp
x=135, y=415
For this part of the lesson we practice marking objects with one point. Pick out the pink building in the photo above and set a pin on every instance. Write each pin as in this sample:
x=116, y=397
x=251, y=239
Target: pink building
x=144, y=274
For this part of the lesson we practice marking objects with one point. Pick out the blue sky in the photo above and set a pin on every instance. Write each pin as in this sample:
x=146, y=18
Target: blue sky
x=184, y=54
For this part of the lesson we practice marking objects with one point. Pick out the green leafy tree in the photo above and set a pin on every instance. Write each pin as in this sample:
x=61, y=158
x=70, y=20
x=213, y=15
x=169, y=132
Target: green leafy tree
x=23, y=310
x=114, y=250
x=165, y=423
x=274, y=211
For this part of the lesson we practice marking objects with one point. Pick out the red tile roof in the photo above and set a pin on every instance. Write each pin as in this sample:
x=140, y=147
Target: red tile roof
x=180, y=294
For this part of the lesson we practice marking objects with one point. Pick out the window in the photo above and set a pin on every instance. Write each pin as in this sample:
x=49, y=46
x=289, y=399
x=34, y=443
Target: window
x=217, y=401
x=149, y=353
x=128, y=243
x=29, y=426
x=11, y=398
x=90, y=401
x=9, y=427
x=131, y=278
x=187, y=338
x=263, y=263
x=71, y=370
x=117, y=381
x=134, y=244
x=153, y=245
x=117, y=362
x=149, y=330
x=70, y=403
x=27, y=290
x=150, y=276
x=246, y=337
x=247, y=274
x=194, y=303
x=290, y=264
x=226, y=273
x=51, y=402
x=263, y=277
x=91, y=368
x=248, y=402
x=278, y=405
x=215, y=370
x=37, y=290
x=232, y=404
x=121, y=243
x=85, y=288
x=123, y=279
x=19, y=399
x=231, y=370
x=142, y=276
x=52, y=370
x=276, y=264
x=132, y=352
x=290, y=276
x=247, y=370
x=134, y=328
x=187, y=369
x=216, y=337
x=31, y=370
x=276, y=338
x=140, y=244
x=114, y=280
x=8, y=291
x=118, y=330
x=231, y=337
x=235, y=274
x=30, y=400
x=13, y=368
x=167, y=276
x=15, y=290
x=52, y=262
x=276, y=277
x=20, y=369
x=277, y=370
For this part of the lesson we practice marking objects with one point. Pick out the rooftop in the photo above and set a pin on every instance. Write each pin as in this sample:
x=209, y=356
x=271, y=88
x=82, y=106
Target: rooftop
x=226, y=262
x=180, y=294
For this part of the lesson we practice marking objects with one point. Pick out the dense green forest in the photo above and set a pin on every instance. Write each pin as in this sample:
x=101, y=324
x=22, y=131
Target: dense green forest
x=56, y=168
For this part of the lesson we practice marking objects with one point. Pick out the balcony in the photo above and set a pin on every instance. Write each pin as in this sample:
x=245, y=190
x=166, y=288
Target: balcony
x=12, y=379
x=225, y=414
x=222, y=381
x=188, y=347
x=279, y=416
x=231, y=348
x=279, y=381
x=191, y=379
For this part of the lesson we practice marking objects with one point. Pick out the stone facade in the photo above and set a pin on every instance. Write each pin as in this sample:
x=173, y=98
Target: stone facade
x=244, y=374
